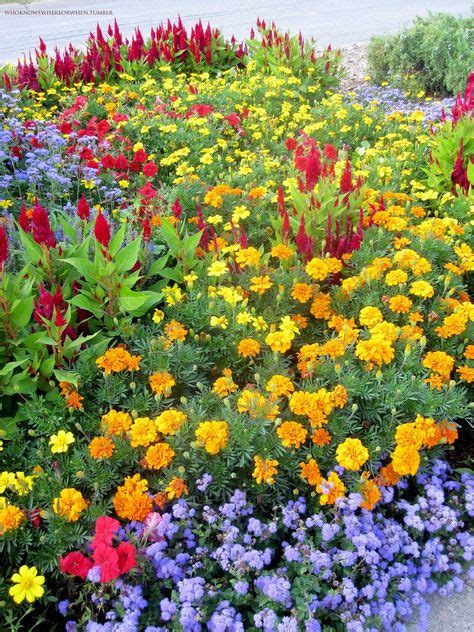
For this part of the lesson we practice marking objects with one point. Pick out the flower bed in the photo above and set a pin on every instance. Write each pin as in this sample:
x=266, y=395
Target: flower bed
x=235, y=307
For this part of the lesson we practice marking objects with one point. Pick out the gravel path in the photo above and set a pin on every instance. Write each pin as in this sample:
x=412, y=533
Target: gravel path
x=355, y=66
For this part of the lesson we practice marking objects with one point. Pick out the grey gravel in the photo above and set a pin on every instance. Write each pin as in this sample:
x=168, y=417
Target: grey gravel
x=451, y=614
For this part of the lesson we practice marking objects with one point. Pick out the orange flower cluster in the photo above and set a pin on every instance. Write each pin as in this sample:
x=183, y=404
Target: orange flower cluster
x=118, y=360
x=131, y=502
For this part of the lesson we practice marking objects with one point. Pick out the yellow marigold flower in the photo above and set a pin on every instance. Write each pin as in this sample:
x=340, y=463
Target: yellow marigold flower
x=212, y=435
x=396, y=277
x=69, y=504
x=265, y=470
x=260, y=284
x=453, y=325
x=60, y=442
x=143, y=432
x=174, y=330
x=118, y=360
x=224, y=385
x=302, y=292
x=375, y=350
x=351, y=454
x=173, y=294
x=7, y=479
x=330, y=489
x=247, y=257
x=400, y=304
x=422, y=289
x=292, y=434
x=384, y=330
x=338, y=397
x=158, y=316
x=101, y=448
x=279, y=386
x=257, y=192
x=248, y=348
x=11, y=518
x=334, y=265
x=440, y=362
x=409, y=435
x=371, y=494
x=405, y=460
x=22, y=483
x=279, y=341
x=217, y=269
x=282, y=252
x=219, y=321
x=317, y=269
x=170, y=421
x=116, y=423
x=310, y=472
x=161, y=383
x=369, y=316
x=159, y=455
x=176, y=488
x=28, y=585
x=469, y=352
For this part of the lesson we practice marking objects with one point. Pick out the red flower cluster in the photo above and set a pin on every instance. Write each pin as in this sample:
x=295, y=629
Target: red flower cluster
x=111, y=561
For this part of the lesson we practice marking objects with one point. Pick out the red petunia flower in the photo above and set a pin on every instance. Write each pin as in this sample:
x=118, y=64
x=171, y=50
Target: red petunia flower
x=126, y=557
x=105, y=527
x=76, y=564
x=107, y=558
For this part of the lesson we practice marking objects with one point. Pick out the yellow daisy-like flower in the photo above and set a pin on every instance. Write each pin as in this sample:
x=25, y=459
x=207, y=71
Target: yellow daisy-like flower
x=351, y=454
x=60, y=442
x=28, y=585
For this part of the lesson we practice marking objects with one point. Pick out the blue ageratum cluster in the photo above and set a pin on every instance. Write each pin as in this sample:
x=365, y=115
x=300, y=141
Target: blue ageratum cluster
x=391, y=99
x=225, y=569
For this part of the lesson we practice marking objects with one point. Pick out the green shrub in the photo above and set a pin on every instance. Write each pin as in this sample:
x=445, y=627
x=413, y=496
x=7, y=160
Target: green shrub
x=436, y=52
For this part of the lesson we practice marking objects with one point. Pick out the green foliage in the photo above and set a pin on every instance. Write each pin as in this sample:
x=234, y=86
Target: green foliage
x=437, y=52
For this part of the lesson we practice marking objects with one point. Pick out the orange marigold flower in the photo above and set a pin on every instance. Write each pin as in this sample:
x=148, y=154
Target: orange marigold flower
x=321, y=306
x=466, y=373
x=371, y=494
x=224, y=385
x=405, y=460
x=300, y=321
x=176, y=488
x=282, y=252
x=339, y=396
x=301, y=292
x=351, y=454
x=400, y=304
x=118, y=360
x=440, y=362
x=116, y=422
x=279, y=386
x=247, y=257
x=159, y=455
x=143, y=432
x=310, y=472
x=469, y=352
x=101, y=448
x=409, y=435
x=292, y=434
x=449, y=431
x=333, y=348
x=330, y=489
x=69, y=504
x=11, y=518
x=248, y=348
x=170, y=421
x=375, y=350
x=265, y=470
x=174, y=330
x=161, y=383
x=132, y=505
x=387, y=476
x=321, y=437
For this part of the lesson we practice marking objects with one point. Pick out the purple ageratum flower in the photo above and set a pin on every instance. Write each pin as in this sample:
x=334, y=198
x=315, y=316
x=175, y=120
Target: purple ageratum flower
x=203, y=483
x=241, y=587
x=191, y=590
x=275, y=588
x=168, y=609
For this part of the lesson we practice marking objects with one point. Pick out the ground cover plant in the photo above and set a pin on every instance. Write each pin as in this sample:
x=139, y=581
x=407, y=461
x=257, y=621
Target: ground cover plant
x=235, y=307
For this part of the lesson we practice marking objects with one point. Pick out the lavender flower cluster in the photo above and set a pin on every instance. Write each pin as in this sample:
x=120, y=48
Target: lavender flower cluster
x=229, y=569
x=391, y=99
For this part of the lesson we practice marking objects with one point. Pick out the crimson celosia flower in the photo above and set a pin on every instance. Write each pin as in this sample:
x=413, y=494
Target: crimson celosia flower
x=83, y=208
x=42, y=232
x=102, y=230
x=3, y=246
